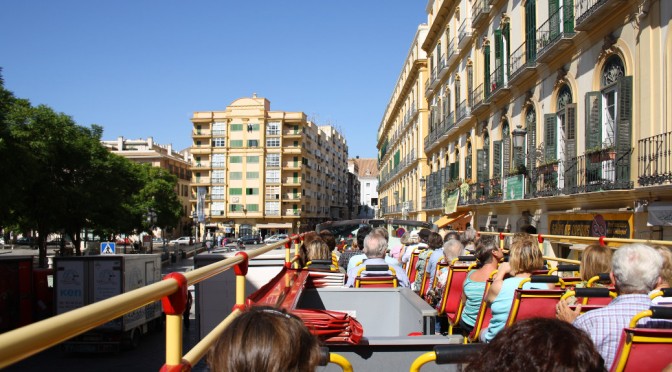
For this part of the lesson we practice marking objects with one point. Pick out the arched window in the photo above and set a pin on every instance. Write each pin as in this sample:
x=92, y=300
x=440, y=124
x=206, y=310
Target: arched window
x=455, y=165
x=468, y=161
x=560, y=139
x=501, y=153
x=531, y=128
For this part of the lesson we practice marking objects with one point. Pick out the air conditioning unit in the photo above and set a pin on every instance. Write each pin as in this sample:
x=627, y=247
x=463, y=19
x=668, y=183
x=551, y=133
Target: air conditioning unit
x=407, y=205
x=235, y=199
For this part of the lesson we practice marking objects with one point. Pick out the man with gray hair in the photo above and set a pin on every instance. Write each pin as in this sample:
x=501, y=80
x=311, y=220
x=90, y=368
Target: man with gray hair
x=635, y=272
x=452, y=249
x=375, y=247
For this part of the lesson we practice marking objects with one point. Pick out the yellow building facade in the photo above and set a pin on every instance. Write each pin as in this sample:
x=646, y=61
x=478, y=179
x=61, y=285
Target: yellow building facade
x=550, y=113
x=261, y=172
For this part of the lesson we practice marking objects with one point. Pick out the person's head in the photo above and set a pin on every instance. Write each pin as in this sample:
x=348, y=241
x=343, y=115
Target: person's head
x=406, y=238
x=423, y=235
x=265, y=339
x=520, y=236
x=382, y=231
x=452, y=249
x=414, y=236
x=525, y=257
x=666, y=271
x=539, y=344
x=469, y=235
x=596, y=260
x=361, y=234
x=454, y=235
x=375, y=245
x=317, y=249
x=434, y=240
x=487, y=250
x=636, y=268
x=328, y=238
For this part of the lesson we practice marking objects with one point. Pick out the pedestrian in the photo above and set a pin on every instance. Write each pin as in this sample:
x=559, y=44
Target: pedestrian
x=187, y=309
x=208, y=245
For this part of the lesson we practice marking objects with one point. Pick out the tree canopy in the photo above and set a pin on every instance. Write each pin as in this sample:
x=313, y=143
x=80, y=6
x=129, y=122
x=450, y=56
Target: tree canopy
x=59, y=178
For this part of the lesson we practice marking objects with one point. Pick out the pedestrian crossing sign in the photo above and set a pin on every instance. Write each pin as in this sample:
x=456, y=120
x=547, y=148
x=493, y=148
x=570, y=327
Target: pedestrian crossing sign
x=108, y=248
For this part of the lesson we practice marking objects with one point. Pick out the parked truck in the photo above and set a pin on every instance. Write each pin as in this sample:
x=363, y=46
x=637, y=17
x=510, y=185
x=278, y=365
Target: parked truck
x=82, y=280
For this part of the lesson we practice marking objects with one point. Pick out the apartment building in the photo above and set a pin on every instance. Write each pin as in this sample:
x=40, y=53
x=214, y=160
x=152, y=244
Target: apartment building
x=146, y=151
x=402, y=163
x=261, y=172
x=353, y=195
x=366, y=171
x=553, y=114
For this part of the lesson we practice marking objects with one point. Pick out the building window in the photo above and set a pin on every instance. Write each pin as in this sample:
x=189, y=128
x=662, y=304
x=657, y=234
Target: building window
x=273, y=176
x=235, y=191
x=253, y=207
x=253, y=143
x=273, y=129
x=218, y=142
x=272, y=160
x=217, y=192
x=273, y=142
x=252, y=160
x=236, y=127
x=235, y=159
x=235, y=176
x=273, y=192
x=251, y=191
x=218, y=160
x=272, y=208
x=252, y=175
x=235, y=207
x=217, y=208
x=218, y=128
x=236, y=143
x=252, y=127
x=218, y=176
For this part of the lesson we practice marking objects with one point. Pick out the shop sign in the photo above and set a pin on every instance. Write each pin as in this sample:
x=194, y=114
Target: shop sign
x=611, y=225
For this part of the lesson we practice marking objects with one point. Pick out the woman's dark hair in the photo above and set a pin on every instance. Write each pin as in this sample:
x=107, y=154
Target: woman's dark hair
x=539, y=344
x=484, y=249
x=434, y=240
x=361, y=234
x=265, y=339
x=328, y=238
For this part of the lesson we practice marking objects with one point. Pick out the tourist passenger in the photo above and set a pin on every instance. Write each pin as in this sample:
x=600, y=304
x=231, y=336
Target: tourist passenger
x=524, y=258
x=265, y=339
x=329, y=238
x=405, y=240
x=358, y=244
x=421, y=244
x=434, y=244
x=665, y=274
x=596, y=259
x=357, y=259
x=488, y=254
x=539, y=345
x=375, y=246
x=316, y=250
x=635, y=272
x=451, y=250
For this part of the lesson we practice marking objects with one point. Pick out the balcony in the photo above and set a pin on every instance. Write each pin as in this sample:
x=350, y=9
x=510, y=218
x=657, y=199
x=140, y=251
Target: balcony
x=463, y=113
x=464, y=33
x=443, y=68
x=655, y=160
x=291, y=181
x=452, y=52
x=201, y=149
x=480, y=12
x=201, y=181
x=479, y=104
x=292, y=212
x=291, y=197
x=589, y=13
x=292, y=165
x=523, y=63
x=499, y=84
x=200, y=165
x=201, y=133
x=555, y=35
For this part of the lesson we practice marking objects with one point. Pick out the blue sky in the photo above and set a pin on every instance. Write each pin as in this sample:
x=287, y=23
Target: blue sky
x=141, y=68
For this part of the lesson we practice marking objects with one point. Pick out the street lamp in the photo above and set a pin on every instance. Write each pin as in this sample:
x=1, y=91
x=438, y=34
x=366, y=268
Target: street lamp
x=422, y=182
x=519, y=136
x=194, y=216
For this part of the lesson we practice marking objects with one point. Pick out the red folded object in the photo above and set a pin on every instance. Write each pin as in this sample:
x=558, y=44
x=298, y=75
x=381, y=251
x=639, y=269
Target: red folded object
x=331, y=326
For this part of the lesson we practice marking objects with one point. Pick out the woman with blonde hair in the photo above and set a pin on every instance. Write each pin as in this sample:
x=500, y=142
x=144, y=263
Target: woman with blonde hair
x=524, y=258
x=265, y=339
x=596, y=259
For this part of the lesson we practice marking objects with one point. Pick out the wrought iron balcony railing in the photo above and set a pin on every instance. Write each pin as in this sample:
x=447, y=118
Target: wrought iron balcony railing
x=655, y=160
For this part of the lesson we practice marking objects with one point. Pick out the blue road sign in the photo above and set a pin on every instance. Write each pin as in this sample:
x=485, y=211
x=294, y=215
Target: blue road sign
x=108, y=248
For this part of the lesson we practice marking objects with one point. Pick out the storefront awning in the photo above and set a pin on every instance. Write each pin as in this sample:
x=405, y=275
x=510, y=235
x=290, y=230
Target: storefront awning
x=660, y=214
x=287, y=225
x=456, y=220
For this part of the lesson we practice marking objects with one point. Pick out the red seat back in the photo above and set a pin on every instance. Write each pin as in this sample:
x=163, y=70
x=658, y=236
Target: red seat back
x=533, y=303
x=411, y=269
x=643, y=349
x=452, y=292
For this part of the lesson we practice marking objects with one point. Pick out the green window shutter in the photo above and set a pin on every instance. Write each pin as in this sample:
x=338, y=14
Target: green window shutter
x=497, y=160
x=236, y=127
x=236, y=143
x=506, y=154
x=568, y=16
x=550, y=136
x=486, y=70
x=554, y=19
x=531, y=30
x=252, y=159
x=593, y=120
x=235, y=159
x=397, y=158
x=498, y=49
x=507, y=50
x=532, y=145
x=623, y=134
x=481, y=165
x=570, y=131
x=467, y=167
x=235, y=191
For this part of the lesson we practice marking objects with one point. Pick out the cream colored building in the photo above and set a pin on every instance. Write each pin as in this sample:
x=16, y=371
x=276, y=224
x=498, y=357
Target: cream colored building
x=585, y=85
x=162, y=156
x=401, y=158
x=261, y=172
